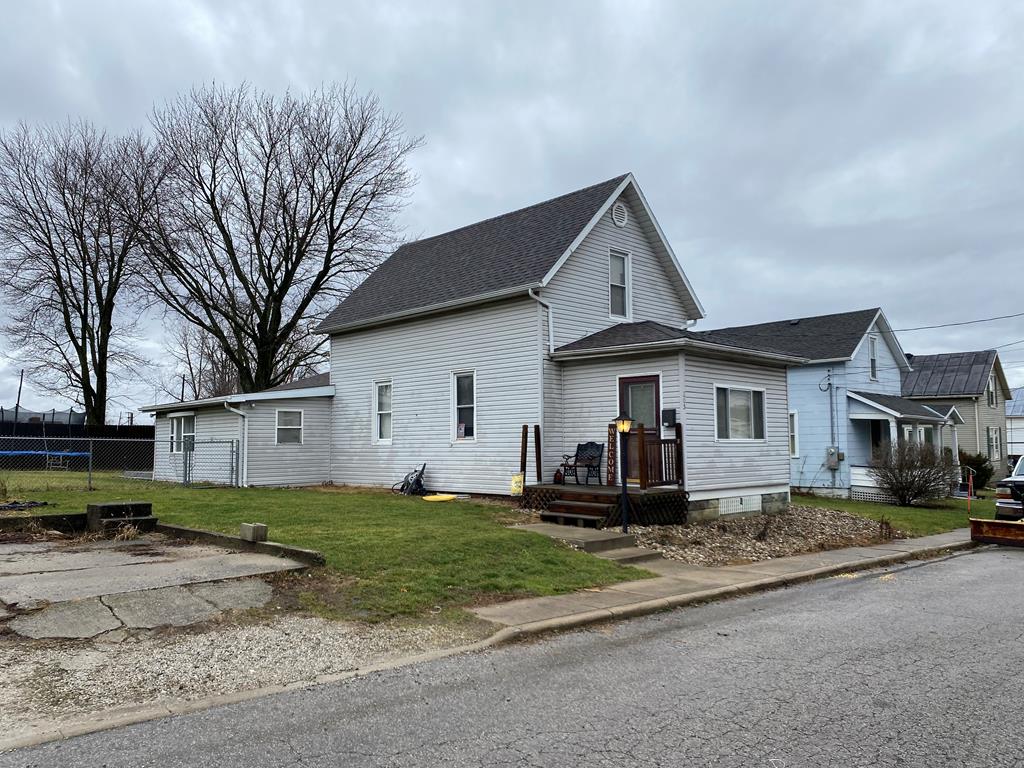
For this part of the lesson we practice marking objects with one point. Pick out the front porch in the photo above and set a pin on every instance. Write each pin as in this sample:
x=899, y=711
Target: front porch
x=599, y=506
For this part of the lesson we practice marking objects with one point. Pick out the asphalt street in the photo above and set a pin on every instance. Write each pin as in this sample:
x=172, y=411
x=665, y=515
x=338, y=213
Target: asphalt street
x=920, y=665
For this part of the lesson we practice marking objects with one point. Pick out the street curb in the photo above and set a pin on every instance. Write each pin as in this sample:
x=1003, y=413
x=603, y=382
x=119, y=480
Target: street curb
x=134, y=715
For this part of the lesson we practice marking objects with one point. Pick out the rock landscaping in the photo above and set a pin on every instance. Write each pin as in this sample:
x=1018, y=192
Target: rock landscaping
x=761, y=537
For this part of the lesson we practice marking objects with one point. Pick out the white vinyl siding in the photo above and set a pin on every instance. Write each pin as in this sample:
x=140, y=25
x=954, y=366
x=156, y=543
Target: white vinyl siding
x=499, y=341
x=384, y=416
x=289, y=427
x=305, y=463
x=579, y=291
x=713, y=464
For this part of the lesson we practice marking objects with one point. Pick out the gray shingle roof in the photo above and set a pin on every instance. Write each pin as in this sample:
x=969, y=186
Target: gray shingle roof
x=651, y=332
x=956, y=374
x=822, y=337
x=901, y=405
x=1015, y=407
x=317, y=380
x=503, y=253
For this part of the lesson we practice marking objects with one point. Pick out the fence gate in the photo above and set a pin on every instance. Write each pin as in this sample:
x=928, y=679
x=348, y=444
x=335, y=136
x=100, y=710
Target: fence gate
x=211, y=462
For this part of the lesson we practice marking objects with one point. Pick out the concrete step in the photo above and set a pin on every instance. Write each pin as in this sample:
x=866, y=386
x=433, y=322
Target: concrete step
x=630, y=555
x=572, y=519
x=580, y=507
x=588, y=539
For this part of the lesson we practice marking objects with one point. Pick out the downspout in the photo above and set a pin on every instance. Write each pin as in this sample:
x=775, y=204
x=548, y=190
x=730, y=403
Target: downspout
x=244, y=480
x=551, y=319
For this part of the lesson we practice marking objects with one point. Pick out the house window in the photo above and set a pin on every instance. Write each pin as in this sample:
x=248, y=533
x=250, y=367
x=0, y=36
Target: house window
x=618, y=283
x=794, y=434
x=873, y=346
x=990, y=393
x=464, y=386
x=739, y=413
x=382, y=408
x=183, y=433
x=994, y=435
x=289, y=427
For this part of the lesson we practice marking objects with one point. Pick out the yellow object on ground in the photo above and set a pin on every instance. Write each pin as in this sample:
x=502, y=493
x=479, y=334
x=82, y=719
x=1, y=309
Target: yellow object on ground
x=440, y=497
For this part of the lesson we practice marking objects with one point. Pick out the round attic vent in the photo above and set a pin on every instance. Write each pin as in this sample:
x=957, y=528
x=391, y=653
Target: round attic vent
x=620, y=214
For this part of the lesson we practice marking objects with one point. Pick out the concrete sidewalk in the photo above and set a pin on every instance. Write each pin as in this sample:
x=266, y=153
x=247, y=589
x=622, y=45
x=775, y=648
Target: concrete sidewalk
x=681, y=584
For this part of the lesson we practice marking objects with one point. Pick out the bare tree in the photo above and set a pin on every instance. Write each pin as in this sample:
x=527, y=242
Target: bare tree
x=71, y=200
x=913, y=471
x=272, y=210
x=197, y=367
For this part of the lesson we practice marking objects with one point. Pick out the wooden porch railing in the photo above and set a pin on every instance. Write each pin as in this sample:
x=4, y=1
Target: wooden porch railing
x=659, y=460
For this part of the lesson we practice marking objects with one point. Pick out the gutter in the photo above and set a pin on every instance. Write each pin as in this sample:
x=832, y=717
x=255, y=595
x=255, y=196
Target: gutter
x=656, y=346
x=244, y=479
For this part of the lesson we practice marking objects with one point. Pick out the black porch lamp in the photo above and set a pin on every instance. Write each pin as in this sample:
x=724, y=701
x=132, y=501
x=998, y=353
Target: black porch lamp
x=623, y=424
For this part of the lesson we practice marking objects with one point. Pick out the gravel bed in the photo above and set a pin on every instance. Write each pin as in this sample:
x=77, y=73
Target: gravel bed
x=760, y=537
x=66, y=680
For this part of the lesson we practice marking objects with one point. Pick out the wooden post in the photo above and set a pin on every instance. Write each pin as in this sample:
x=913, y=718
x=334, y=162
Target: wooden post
x=536, y=448
x=679, y=453
x=613, y=445
x=522, y=451
x=641, y=447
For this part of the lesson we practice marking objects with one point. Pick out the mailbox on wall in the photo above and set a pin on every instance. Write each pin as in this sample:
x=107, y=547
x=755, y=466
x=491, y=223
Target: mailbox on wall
x=668, y=417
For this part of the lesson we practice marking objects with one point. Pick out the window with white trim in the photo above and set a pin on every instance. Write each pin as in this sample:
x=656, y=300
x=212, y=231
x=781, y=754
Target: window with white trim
x=794, y=435
x=873, y=347
x=289, y=427
x=382, y=410
x=464, y=405
x=618, y=283
x=990, y=392
x=994, y=435
x=739, y=413
x=183, y=433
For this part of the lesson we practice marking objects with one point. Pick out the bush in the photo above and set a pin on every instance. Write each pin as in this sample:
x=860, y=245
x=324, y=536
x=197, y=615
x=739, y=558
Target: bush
x=912, y=471
x=983, y=469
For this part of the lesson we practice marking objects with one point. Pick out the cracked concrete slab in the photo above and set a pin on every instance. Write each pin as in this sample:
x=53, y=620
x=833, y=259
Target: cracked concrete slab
x=51, y=561
x=167, y=607
x=235, y=595
x=78, y=619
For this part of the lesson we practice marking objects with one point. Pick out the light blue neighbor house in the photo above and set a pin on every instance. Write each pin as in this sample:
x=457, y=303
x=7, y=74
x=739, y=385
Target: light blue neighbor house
x=846, y=400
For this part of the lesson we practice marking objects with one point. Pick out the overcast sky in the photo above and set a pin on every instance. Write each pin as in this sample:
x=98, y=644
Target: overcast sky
x=802, y=157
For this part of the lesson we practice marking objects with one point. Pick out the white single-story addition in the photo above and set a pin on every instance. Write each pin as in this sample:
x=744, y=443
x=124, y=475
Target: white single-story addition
x=277, y=437
x=560, y=316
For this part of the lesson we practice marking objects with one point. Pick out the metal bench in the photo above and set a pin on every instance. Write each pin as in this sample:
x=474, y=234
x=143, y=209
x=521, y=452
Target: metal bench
x=588, y=457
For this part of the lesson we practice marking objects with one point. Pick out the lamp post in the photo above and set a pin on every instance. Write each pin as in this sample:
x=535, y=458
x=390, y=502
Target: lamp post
x=623, y=424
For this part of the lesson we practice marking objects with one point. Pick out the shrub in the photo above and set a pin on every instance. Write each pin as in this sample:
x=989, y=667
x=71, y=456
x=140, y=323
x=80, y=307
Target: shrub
x=912, y=471
x=983, y=469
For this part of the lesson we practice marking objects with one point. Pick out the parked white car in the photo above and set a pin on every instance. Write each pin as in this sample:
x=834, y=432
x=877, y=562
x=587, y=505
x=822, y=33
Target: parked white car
x=1010, y=494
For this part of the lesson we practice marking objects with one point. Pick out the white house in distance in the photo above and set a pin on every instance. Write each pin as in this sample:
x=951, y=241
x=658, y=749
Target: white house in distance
x=1015, y=424
x=559, y=315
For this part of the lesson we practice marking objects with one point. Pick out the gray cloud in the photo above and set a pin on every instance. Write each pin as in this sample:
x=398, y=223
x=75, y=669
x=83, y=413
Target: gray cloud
x=803, y=157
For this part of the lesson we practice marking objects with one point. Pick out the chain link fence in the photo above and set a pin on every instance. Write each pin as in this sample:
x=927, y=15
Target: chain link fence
x=84, y=463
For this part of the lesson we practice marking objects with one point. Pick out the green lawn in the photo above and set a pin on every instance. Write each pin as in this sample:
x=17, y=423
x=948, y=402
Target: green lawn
x=915, y=521
x=395, y=555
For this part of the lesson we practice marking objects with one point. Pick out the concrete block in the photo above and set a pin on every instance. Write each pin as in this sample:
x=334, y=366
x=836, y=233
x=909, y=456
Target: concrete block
x=112, y=510
x=252, y=532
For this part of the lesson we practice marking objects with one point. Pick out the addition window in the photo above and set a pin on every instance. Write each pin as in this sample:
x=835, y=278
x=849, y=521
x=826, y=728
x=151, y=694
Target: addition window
x=289, y=427
x=464, y=387
x=618, y=283
x=794, y=434
x=183, y=433
x=990, y=393
x=382, y=408
x=739, y=413
x=873, y=346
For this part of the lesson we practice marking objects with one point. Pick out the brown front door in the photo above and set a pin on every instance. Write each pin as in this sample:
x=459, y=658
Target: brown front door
x=640, y=399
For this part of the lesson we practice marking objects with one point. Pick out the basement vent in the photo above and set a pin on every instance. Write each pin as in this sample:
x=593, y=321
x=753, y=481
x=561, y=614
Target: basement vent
x=740, y=505
x=620, y=214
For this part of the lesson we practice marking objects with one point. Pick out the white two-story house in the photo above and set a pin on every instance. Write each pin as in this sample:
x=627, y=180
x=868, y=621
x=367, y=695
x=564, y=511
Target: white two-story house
x=560, y=316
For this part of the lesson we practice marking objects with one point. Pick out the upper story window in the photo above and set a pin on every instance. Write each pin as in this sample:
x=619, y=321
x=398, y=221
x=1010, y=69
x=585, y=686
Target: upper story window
x=618, y=283
x=382, y=408
x=464, y=390
x=990, y=393
x=873, y=348
x=739, y=413
x=289, y=427
x=183, y=433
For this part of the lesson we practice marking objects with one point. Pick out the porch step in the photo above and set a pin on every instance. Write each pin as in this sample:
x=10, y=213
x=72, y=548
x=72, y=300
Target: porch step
x=573, y=506
x=570, y=493
x=629, y=555
x=572, y=519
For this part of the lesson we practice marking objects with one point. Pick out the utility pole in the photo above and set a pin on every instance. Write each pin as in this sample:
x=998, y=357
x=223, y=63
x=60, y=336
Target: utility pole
x=17, y=403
